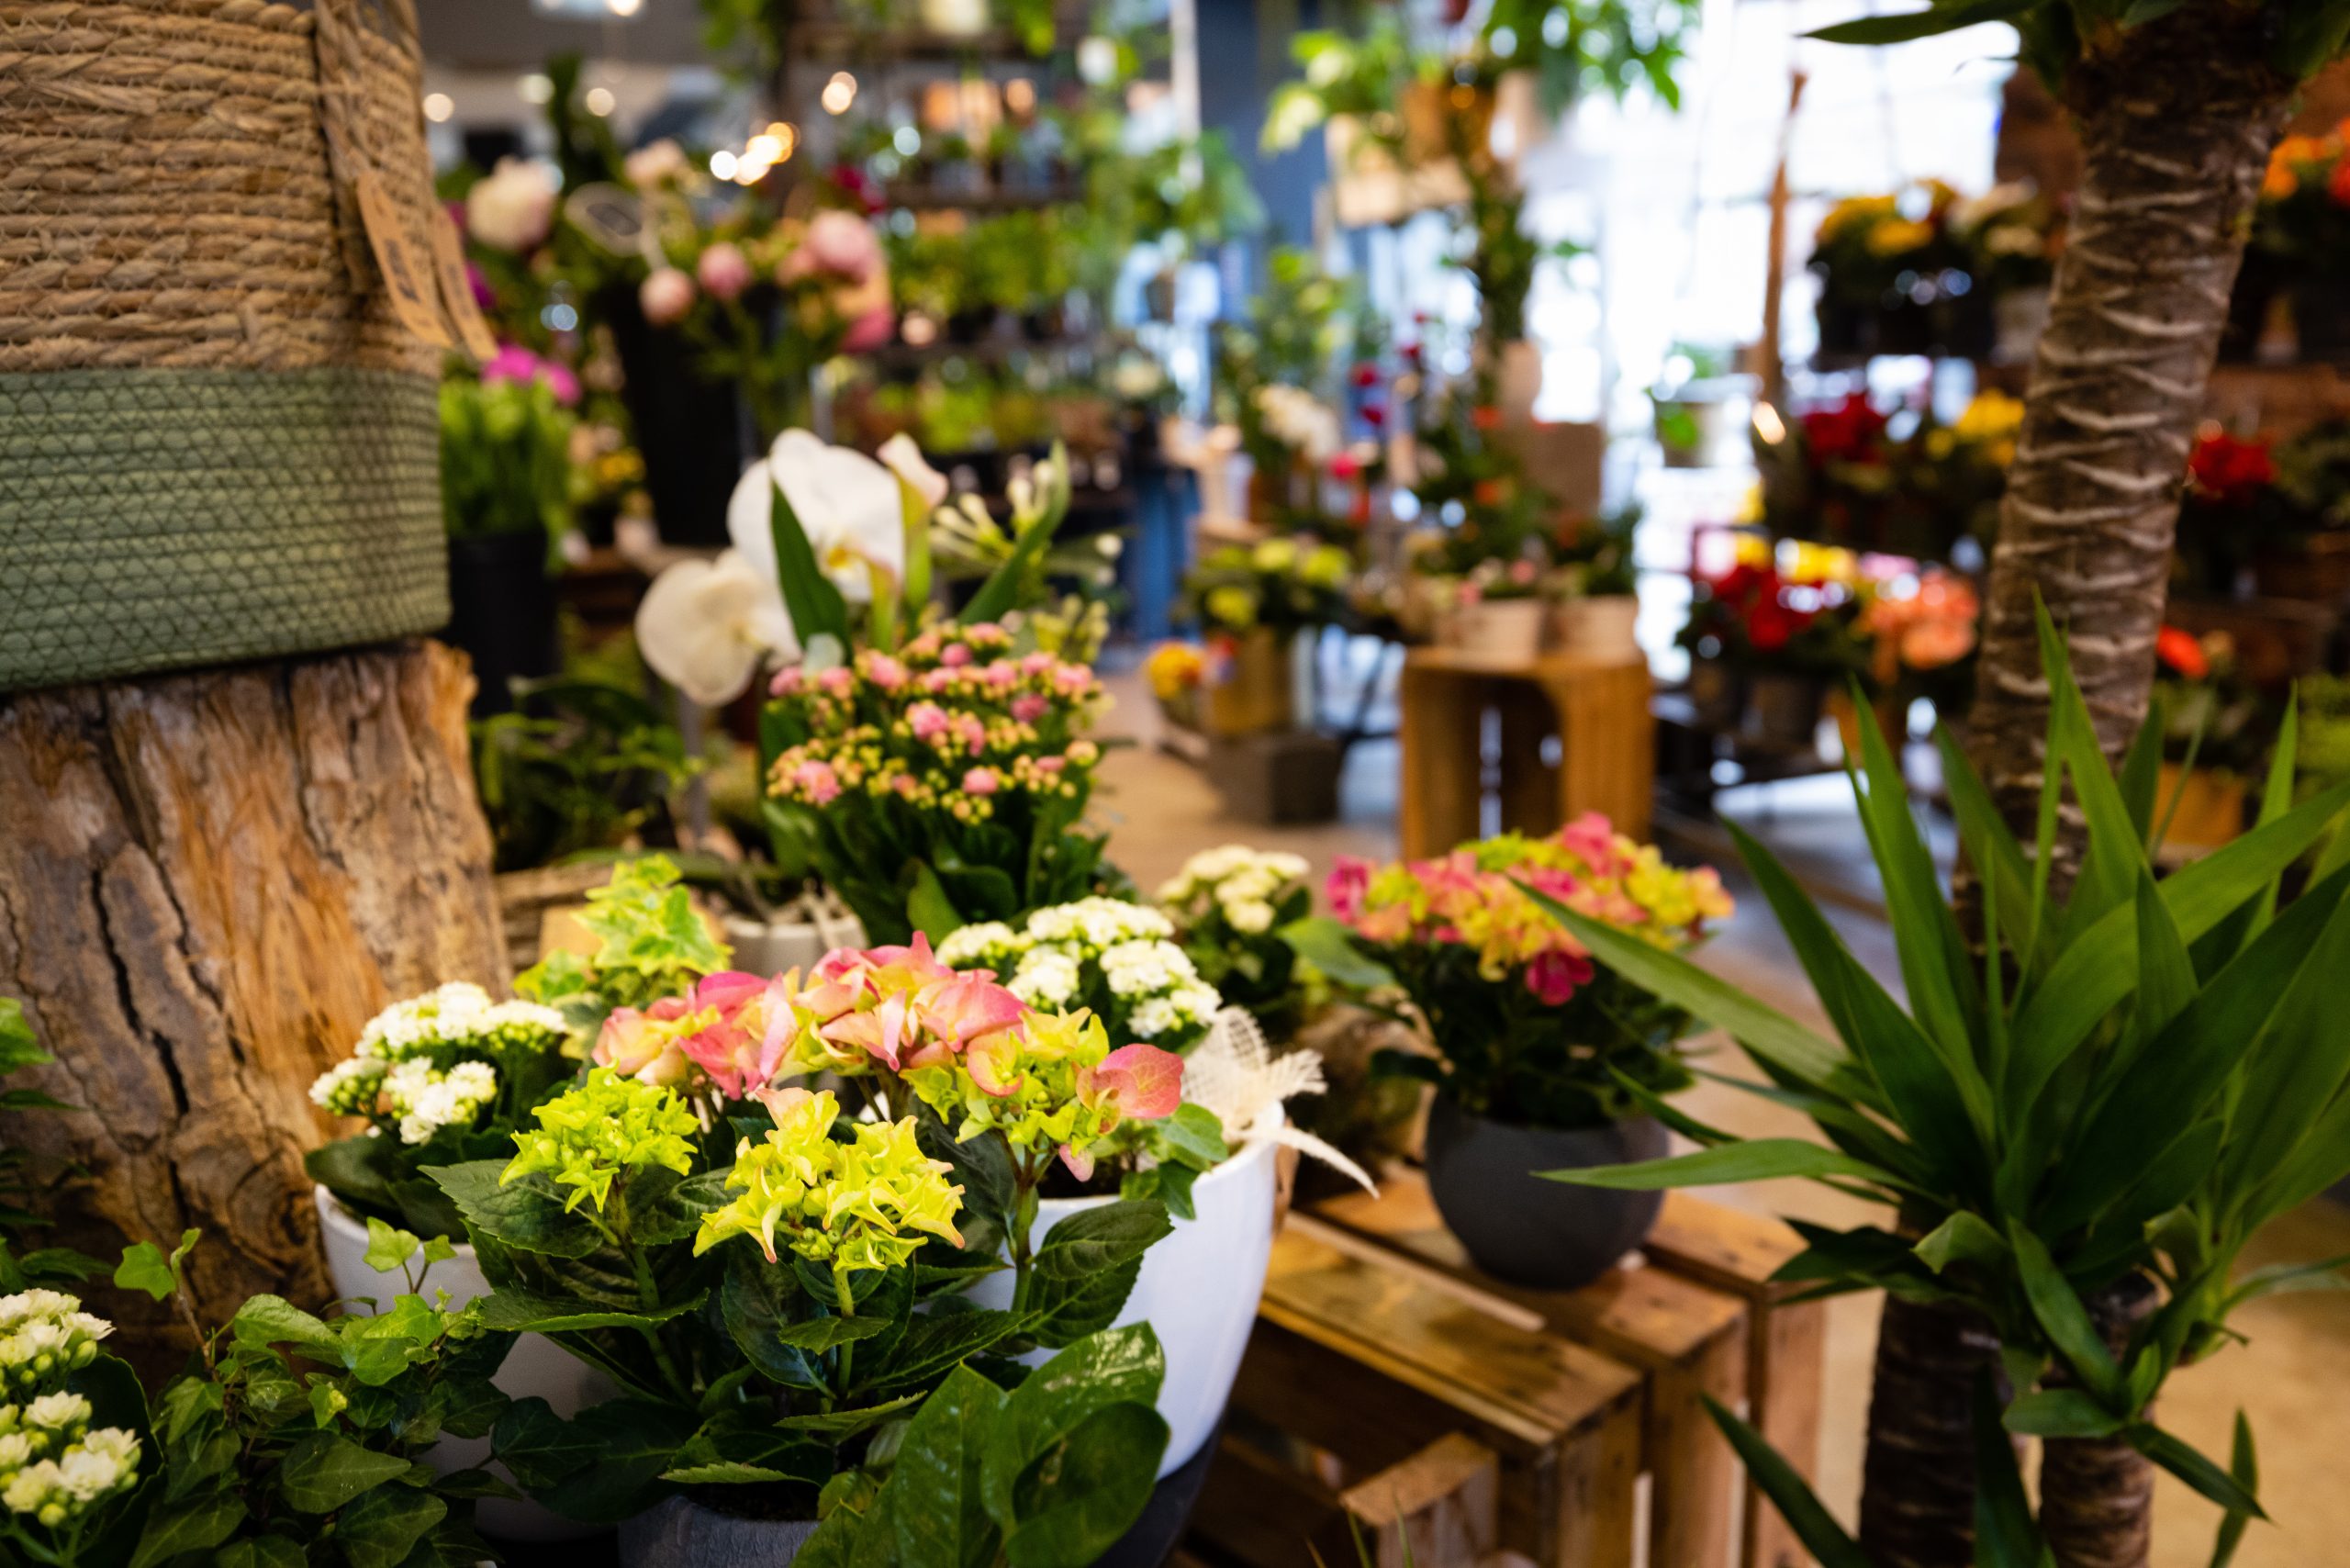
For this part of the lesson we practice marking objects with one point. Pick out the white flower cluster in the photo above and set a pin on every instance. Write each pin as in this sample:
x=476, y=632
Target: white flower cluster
x=1243, y=884
x=53, y=1466
x=392, y=1072
x=426, y=1100
x=1145, y=980
x=44, y=1335
x=1301, y=421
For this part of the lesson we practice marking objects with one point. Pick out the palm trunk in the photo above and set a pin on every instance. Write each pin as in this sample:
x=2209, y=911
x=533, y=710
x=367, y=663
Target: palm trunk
x=2097, y=1494
x=2176, y=118
x=1918, y=1490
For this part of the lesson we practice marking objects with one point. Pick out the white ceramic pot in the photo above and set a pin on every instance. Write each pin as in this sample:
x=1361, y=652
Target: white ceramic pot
x=1198, y=1291
x=1599, y=627
x=535, y=1366
x=1500, y=630
x=769, y=947
x=2017, y=317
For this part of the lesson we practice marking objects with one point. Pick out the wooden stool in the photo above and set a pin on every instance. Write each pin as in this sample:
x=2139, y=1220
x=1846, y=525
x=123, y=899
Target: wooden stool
x=1696, y=1315
x=1598, y=714
x=1362, y=1364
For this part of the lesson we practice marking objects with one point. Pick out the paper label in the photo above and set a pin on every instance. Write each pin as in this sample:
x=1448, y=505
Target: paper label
x=457, y=289
x=408, y=276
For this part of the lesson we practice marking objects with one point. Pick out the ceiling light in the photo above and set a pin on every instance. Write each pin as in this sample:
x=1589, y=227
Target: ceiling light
x=839, y=92
x=600, y=101
x=722, y=165
x=439, y=107
x=536, y=88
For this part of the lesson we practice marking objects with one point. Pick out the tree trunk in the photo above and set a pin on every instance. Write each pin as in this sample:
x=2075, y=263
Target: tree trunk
x=1918, y=1486
x=2097, y=1494
x=2175, y=117
x=208, y=884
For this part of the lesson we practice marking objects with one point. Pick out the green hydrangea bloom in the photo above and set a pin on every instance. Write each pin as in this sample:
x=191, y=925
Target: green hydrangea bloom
x=586, y=1137
x=1053, y=1083
x=865, y=1203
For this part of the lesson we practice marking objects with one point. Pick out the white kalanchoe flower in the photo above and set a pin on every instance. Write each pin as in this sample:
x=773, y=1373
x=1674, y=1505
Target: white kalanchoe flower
x=58, y=1412
x=988, y=945
x=1046, y=977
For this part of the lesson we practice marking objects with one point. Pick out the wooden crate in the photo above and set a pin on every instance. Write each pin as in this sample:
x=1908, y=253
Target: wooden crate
x=1596, y=713
x=1360, y=1364
x=1376, y=1331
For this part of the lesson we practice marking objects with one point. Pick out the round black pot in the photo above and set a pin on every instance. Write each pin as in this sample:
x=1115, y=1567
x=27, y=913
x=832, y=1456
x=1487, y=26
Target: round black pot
x=502, y=612
x=691, y=429
x=1786, y=708
x=1716, y=693
x=1518, y=1228
x=678, y=1532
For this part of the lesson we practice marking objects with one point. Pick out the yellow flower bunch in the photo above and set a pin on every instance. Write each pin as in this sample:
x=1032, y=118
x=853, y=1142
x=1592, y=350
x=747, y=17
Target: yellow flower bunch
x=864, y=1203
x=586, y=1137
x=1990, y=422
x=1175, y=668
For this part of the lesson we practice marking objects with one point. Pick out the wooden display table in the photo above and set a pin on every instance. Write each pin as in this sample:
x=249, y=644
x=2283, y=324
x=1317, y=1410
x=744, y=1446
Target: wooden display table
x=1596, y=715
x=1390, y=1382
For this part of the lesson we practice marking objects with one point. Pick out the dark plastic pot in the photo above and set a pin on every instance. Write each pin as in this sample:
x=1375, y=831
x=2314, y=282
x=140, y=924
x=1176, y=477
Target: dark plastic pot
x=2322, y=319
x=502, y=612
x=1786, y=708
x=690, y=428
x=1716, y=693
x=678, y=1532
x=1518, y=1228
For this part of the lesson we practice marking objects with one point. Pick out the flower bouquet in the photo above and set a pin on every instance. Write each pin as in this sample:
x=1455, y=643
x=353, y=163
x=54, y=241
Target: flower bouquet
x=2217, y=727
x=1229, y=906
x=2303, y=232
x=2235, y=514
x=1787, y=636
x=1177, y=671
x=1543, y=1057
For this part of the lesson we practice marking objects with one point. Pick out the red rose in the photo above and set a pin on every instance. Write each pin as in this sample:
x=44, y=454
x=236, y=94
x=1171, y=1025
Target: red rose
x=2222, y=468
x=2181, y=654
x=1366, y=375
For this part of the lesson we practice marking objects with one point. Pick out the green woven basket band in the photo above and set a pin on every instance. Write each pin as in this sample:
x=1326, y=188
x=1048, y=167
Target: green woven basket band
x=152, y=520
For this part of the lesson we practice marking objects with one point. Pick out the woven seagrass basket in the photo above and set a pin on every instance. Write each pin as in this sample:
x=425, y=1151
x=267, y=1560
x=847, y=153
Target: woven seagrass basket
x=217, y=440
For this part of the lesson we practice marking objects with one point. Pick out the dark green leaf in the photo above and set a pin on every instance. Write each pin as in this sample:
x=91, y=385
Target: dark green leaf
x=820, y=1333
x=2243, y=1466
x=935, y=1502
x=1081, y=1496
x=836, y=1425
x=539, y=1447
x=812, y=598
x=323, y=1471
x=1757, y=1159
x=2062, y=1316
x=381, y=1529
x=2195, y=1470
x=1963, y=1238
x=665, y=1207
x=1106, y=1237
x=273, y=1320
x=632, y=1441
x=197, y=1524
x=2005, y=1533
x=2061, y=1412
x=1790, y=1494
x=1193, y=1136
x=1910, y=25
x=1117, y=1366
x=525, y=1214
x=1329, y=946
x=936, y=1341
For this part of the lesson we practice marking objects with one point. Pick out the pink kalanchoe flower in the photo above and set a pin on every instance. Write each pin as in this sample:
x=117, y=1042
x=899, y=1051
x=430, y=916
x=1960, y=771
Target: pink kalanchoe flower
x=926, y=720
x=971, y=733
x=1051, y=764
x=836, y=243
x=837, y=681
x=870, y=330
x=884, y=671
x=1000, y=675
x=1030, y=707
x=981, y=781
x=786, y=682
x=666, y=296
x=1037, y=664
x=822, y=785
x=954, y=655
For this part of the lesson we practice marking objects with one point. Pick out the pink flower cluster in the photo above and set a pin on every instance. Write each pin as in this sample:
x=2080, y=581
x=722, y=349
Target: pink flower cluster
x=954, y=723
x=1474, y=898
x=731, y=1029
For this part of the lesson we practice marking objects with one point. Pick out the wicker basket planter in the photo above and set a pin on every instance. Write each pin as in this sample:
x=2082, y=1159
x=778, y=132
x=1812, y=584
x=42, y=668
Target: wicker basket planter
x=218, y=440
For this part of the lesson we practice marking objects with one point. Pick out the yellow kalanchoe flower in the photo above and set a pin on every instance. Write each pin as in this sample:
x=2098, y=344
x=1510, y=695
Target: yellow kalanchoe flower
x=864, y=1203
x=586, y=1137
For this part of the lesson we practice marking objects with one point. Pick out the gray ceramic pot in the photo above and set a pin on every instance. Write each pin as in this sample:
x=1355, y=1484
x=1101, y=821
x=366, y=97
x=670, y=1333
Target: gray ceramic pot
x=680, y=1533
x=1518, y=1228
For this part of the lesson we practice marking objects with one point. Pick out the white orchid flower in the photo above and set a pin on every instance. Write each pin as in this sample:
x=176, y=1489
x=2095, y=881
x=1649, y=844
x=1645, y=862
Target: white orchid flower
x=903, y=458
x=707, y=626
x=847, y=503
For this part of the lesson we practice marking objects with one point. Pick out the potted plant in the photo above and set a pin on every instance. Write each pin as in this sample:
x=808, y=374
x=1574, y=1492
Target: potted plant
x=1178, y=672
x=1228, y=908
x=1252, y=602
x=1693, y=400
x=2311, y=561
x=506, y=475
x=2215, y=733
x=1544, y=1058
x=1599, y=569
x=2014, y=235
x=2304, y=222
x=1918, y=626
x=2234, y=514
x=1496, y=611
x=1895, y=278
x=1791, y=637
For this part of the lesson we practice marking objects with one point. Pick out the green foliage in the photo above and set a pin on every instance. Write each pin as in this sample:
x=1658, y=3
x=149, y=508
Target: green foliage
x=577, y=767
x=1047, y=1476
x=651, y=943
x=296, y=1439
x=2302, y=36
x=23, y=1267
x=2129, y=1081
x=505, y=458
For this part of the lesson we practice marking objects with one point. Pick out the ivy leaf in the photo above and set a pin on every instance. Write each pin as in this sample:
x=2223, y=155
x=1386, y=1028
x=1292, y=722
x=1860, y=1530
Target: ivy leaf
x=379, y=1529
x=388, y=1247
x=273, y=1320
x=146, y=1267
x=325, y=1469
x=198, y=1523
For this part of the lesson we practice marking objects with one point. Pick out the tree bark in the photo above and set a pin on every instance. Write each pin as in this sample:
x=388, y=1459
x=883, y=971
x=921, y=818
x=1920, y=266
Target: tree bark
x=209, y=882
x=1917, y=1484
x=2096, y=1504
x=2176, y=118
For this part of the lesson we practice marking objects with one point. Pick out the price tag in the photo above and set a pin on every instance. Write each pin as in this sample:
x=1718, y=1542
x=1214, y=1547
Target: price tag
x=457, y=288
x=408, y=276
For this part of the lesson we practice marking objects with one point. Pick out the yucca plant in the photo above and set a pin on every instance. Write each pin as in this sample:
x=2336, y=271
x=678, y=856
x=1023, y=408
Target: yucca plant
x=2094, y=1105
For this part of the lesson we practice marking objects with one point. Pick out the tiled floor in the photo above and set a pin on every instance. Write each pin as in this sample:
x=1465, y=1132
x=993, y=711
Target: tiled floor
x=2293, y=1378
